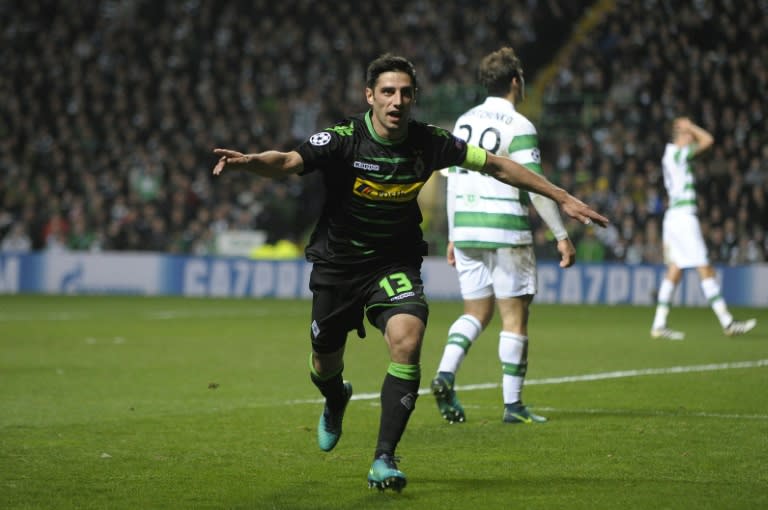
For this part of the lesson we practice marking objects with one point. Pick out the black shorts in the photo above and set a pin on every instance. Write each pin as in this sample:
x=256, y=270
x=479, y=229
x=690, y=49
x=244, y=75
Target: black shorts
x=340, y=297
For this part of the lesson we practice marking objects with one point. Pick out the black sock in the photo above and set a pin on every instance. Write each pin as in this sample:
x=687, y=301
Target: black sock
x=332, y=389
x=398, y=400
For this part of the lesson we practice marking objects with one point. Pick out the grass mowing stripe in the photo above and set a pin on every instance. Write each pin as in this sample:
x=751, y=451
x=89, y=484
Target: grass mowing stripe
x=153, y=315
x=579, y=378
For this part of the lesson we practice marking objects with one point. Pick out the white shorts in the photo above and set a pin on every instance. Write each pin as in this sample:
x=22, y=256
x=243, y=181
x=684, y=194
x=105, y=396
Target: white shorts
x=503, y=272
x=683, y=243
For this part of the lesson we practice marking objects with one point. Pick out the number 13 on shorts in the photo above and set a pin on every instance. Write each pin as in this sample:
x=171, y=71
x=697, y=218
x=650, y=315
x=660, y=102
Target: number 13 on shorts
x=396, y=283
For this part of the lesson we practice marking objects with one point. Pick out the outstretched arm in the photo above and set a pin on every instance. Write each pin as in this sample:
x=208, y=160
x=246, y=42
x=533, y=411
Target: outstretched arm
x=265, y=164
x=514, y=174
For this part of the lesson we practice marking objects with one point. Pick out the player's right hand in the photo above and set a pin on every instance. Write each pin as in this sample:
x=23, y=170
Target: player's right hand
x=227, y=156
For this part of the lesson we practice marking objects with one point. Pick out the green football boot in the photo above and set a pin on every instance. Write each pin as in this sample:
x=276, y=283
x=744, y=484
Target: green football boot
x=518, y=413
x=447, y=403
x=385, y=475
x=329, y=427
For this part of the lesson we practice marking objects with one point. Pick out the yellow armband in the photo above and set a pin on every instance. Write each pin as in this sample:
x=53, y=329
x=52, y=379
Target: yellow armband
x=476, y=158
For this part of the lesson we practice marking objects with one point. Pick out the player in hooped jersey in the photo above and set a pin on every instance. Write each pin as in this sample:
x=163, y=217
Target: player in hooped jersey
x=490, y=240
x=684, y=246
x=367, y=247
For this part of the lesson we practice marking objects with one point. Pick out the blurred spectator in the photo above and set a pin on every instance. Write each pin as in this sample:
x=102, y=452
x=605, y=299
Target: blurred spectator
x=157, y=236
x=748, y=251
x=16, y=240
x=80, y=238
x=635, y=252
x=589, y=248
x=55, y=232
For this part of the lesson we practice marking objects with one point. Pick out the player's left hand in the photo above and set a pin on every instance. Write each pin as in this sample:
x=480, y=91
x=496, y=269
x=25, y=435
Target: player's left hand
x=450, y=255
x=567, y=253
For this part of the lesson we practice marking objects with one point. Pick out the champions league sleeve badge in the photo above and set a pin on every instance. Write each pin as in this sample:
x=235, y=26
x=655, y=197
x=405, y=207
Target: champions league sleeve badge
x=320, y=139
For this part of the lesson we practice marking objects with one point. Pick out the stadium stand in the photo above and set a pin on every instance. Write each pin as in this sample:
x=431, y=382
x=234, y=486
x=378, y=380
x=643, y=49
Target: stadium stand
x=607, y=112
x=111, y=109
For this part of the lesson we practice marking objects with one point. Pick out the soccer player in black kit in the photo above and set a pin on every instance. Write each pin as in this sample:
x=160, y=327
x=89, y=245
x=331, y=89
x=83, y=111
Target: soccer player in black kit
x=367, y=247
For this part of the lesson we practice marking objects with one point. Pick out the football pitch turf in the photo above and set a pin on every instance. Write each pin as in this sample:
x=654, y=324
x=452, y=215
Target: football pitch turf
x=166, y=403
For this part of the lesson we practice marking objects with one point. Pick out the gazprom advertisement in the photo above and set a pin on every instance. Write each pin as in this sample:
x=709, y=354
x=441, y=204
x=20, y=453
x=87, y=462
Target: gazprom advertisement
x=154, y=274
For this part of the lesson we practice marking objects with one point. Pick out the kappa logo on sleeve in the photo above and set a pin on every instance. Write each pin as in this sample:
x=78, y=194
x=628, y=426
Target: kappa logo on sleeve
x=320, y=139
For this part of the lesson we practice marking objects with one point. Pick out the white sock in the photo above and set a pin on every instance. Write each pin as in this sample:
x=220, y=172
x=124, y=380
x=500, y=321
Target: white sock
x=663, y=300
x=461, y=334
x=712, y=292
x=513, y=353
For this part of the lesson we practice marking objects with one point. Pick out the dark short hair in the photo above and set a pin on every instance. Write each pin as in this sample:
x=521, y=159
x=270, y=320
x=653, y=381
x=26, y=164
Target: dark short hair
x=497, y=70
x=389, y=62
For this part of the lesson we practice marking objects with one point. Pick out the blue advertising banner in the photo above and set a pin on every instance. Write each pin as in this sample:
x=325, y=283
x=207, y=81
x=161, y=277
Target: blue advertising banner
x=157, y=274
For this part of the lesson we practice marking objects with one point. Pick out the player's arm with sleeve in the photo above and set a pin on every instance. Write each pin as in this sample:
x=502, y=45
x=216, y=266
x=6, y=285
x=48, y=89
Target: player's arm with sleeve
x=529, y=157
x=307, y=156
x=450, y=197
x=451, y=188
x=514, y=174
x=450, y=191
x=266, y=164
x=450, y=208
x=702, y=139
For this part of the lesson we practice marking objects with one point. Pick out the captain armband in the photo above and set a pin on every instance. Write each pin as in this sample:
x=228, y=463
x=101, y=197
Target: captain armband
x=476, y=158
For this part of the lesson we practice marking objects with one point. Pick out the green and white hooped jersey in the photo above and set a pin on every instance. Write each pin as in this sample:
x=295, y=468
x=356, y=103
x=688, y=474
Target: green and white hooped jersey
x=482, y=211
x=678, y=178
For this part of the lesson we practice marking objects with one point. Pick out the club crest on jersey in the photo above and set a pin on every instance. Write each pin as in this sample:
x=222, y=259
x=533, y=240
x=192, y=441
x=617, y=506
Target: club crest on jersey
x=536, y=155
x=320, y=139
x=383, y=192
x=418, y=165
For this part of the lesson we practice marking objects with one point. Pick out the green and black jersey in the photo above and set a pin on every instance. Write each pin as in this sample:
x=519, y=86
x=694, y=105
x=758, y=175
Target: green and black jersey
x=371, y=215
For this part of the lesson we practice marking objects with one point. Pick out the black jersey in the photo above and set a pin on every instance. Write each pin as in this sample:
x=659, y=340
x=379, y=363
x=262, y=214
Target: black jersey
x=370, y=213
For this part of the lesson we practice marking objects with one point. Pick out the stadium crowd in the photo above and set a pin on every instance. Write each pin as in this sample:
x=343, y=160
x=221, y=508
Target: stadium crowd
x=111, y=110
x=646, y=63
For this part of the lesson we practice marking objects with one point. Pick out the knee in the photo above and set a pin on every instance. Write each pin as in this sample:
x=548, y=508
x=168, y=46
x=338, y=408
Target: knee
x=706, y=272
x=327, y=363
x=480, y=309
x=484, y=317
x=673, y=274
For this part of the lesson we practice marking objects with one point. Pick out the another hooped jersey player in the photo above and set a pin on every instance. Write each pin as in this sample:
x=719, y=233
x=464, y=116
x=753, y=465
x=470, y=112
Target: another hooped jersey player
x=678, y=177
x=483, y=212
x=371, y=215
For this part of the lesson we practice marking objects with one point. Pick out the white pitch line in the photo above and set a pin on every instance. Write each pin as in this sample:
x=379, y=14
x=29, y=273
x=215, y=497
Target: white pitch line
x=630, y=412
x=635, y=373
x=581, y=378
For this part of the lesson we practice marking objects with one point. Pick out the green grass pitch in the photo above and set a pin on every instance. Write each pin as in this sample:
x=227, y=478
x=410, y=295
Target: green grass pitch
x=165, y=403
